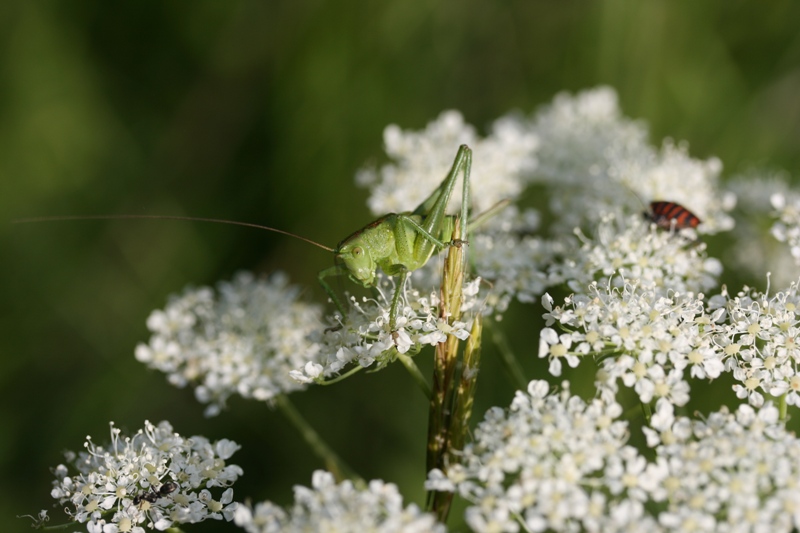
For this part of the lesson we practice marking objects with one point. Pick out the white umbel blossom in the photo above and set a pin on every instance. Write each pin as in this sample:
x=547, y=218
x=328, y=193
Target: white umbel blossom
x=633, y=250
x=654, y=342
x=616, y=249
x=243, y=338
x=552, y=462
x=121, y=487
x=729, y=472
x=647, y=340
x=759, y=341
x=329, y=507
x=501, y=164
x=365, y=337
x=596, y=161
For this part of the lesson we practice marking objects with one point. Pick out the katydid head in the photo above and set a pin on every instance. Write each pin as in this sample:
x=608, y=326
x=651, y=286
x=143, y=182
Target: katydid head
x=361, y=267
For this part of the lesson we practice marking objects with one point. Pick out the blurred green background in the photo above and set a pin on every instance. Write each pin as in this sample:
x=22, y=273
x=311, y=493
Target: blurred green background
x=262, y=111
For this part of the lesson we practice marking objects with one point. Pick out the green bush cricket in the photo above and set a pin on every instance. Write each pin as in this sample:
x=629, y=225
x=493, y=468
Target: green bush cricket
x=400, y=243
x=397, y=243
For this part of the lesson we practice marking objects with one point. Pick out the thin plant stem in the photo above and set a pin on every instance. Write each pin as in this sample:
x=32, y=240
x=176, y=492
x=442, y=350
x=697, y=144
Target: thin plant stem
x=341, y=377
x=56, y=527
x=648, y=412
x=509, y=360
x=782, y=408
x=415, y=372
x=333, y=462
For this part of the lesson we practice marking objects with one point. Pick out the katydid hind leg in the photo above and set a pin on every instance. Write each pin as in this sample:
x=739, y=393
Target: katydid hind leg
x=430, y=234
x=414, y=227
x=438, y=199
x=464, y=215
x=433, y=219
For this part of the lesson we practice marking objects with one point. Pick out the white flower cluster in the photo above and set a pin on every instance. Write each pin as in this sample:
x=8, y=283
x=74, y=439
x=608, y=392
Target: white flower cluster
x=155, y=479
x=597, y=162
x=760, y=338
x=734, y=472
x=365, y=337
x=632, y=248
x=557, y=463
x=619, y=248
x=787, y=227
x=328, y=507
x=242, y=339
x=502, y=164
x=552, y=463
x=644, y=338
x=647, y=340
x=582, y=139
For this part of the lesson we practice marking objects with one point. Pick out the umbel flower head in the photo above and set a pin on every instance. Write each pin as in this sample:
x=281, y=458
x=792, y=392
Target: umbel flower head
x=364, y=338
x=759, y=340
x=596, y=161
x=630, y=248
x=243, y=338
x=735, y=471
x=552, y=462
x=343, y=507
x=154, y=479
x=644, y=338
x=507, y=159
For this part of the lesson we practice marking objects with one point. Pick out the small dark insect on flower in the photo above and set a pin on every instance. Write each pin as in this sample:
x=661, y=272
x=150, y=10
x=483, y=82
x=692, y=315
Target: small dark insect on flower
x=151, y=496
x=667, y=215
x=167, y=488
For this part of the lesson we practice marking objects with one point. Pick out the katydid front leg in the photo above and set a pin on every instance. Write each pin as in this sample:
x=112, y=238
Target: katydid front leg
x=399, y=243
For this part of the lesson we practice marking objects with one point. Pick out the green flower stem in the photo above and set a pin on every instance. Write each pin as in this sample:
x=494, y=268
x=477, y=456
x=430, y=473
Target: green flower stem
x=782, y=408
x=59, y=526
x=333, y=462
x=509, y=360
x=341, y=377
x=648, y=412
x=413, y=369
